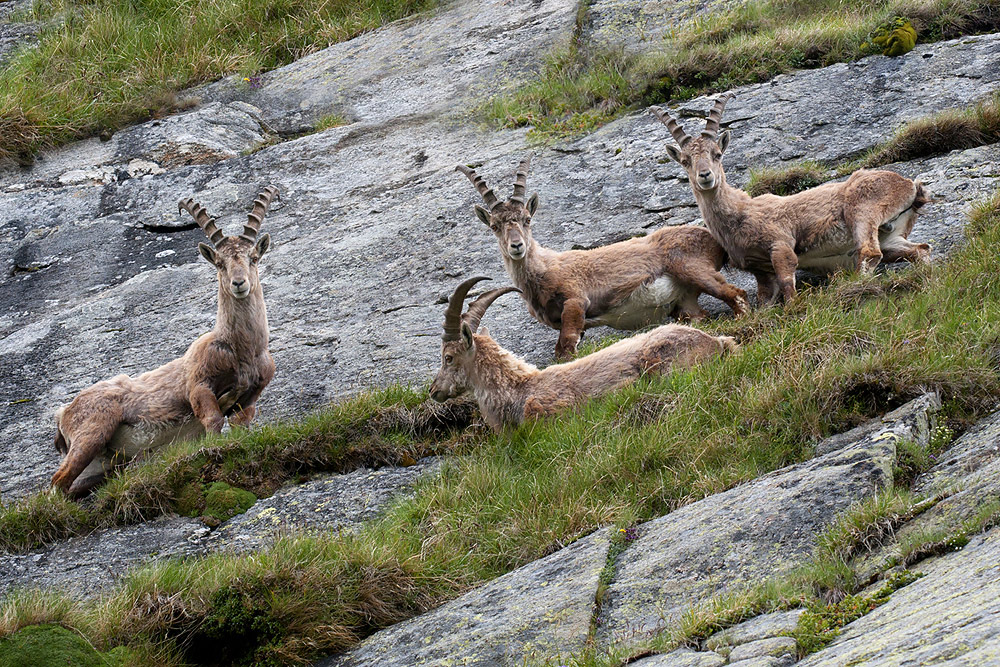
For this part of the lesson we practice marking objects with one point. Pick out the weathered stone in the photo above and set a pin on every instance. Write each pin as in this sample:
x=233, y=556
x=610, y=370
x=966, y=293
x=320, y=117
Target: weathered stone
x=912, y=421
x=86, y=566
x=682, y=657
x=329, y=503
x=641, y=25
x=777, y=647
x=761, y=627
x=14, y=34
x=765, y=661
x=947, y=617
x=536, y=612
x=737, y=538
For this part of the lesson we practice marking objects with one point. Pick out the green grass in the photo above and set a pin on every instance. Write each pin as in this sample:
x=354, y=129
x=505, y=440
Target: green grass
x=785, y=181
x=829, y=360
x=388, y=426
x=579, y=89
x=102, y=64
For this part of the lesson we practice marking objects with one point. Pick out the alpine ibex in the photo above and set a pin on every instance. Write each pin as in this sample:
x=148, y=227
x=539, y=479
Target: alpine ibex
x=855, y=223
x=626, y=285
x=510, y=390
x=222, y=373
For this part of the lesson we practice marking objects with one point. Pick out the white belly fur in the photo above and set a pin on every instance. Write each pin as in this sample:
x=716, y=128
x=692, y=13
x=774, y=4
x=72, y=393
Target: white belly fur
x=650, y=304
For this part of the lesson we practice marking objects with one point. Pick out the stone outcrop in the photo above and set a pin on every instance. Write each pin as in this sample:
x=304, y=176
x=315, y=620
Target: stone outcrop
x=87, y=566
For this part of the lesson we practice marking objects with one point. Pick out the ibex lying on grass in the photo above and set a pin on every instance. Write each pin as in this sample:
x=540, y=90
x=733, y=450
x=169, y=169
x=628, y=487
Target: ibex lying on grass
x=626, y=285
x=222, y=373
x=856, y=223
x=510, y=390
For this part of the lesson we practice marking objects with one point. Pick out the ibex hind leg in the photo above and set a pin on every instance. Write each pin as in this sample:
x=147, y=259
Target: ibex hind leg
x=705, y=277
x=85, y=443
x=897, y=247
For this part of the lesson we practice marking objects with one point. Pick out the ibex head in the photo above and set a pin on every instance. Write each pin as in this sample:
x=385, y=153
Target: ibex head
x=701, y=157
x=235, y=257
x=458, y=347
x=509, y=220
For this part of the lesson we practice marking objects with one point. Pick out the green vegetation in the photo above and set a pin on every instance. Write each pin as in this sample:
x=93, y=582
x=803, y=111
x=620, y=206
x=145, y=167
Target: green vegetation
x=328, y=121
x=388, y=426
x=787, y=180
x=579, y=89
x=102, y=64
x=827, y=361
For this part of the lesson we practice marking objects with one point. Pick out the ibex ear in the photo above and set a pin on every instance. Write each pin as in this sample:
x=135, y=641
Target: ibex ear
x=724, y=141
x=674, y=152
x=263, y=243
x=482, y=214
x=207, y=251
x=532, y=203
x=467, y=335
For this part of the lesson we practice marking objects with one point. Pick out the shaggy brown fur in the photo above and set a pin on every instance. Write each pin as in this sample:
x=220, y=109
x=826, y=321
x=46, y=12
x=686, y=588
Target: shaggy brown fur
x=510, y=390
x=627, y=285
x=854, y=224
x=222, y=374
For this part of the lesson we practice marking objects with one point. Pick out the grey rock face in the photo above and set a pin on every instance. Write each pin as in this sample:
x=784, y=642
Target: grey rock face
x=102, y=276
x=776, y=647
x=913, y=420
x=682, y=657
x=947, y=617
x=88, y=566
x=536, y=612
x=329, y=503
x=14, y=34
x=761, y=627
x=639, y=26
x=747, y=534
x=85, y=566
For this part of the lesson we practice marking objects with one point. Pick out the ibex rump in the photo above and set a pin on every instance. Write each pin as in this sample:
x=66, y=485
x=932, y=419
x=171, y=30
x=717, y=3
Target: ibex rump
x=222, y=373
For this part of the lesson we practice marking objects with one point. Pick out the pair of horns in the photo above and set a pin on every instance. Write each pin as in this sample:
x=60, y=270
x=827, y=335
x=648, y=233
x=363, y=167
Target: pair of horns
x=711, y=130
x=453, y=317
x=490, y=199
x=250, y=229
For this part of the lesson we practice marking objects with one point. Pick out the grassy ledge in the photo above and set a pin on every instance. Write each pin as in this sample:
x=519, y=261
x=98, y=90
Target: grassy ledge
x=102, y=64
x=388, y=426
x=579, y=89
x=830, y=359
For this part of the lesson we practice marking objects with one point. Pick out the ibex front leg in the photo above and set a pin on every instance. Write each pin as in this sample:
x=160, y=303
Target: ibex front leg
x=206, y=408
x=785, y=261
x=571, y=330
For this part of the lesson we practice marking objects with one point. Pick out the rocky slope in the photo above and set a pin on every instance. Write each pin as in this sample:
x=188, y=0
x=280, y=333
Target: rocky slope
x=99, y=274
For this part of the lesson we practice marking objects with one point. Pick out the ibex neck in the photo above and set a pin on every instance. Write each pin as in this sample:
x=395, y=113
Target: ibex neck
x=721, y=205
x=242, y=323
x=500, y=379
x=521, y=271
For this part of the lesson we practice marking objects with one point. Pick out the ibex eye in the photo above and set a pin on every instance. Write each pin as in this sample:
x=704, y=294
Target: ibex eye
x=448, y=359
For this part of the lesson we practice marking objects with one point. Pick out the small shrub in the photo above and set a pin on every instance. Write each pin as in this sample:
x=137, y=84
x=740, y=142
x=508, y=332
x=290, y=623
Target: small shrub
x=895, y=38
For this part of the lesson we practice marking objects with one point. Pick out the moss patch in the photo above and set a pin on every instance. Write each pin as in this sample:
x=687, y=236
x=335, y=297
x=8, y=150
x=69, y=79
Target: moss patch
x=223, y=501
x=49, y=646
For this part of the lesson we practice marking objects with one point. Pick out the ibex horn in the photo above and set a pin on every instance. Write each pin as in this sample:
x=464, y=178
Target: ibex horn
x=256, y=216
x=484, y=190
x=453, y=315
x=478, y=307
x=521, y=181
x=204, y=220
x=711, y=130
x=678, y=133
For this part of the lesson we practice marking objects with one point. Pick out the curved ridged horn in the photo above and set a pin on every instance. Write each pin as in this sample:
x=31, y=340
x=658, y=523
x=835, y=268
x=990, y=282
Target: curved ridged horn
x=715, y=115
x=256, y=216
x=478, y=307
x=453, y=315
x=676, y=131
x=484, y=190
x=204, y=220
x=521, y=181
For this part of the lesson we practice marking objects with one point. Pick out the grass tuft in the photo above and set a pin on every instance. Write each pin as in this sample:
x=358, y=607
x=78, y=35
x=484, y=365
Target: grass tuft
x=788, y=180
x=103, y=64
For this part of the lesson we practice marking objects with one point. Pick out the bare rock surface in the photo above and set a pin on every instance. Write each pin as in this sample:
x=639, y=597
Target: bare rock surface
x=761, y=627
x=682, y=657
x=14, y=33
x=101, y=275
x=89, y=565
x=947, y=617
x=533, y=613
x=748, y=534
